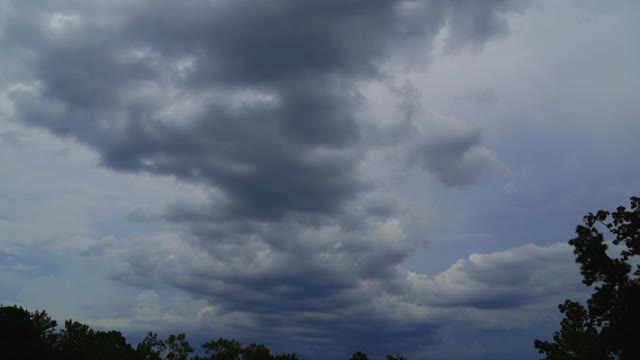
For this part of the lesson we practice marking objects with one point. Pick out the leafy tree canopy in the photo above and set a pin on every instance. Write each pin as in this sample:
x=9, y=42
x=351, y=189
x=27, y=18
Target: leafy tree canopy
x=359, y=356
x=608, y=327
x=35, y=335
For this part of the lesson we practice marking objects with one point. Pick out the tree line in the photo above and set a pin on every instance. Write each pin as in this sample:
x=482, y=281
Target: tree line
x=31, y=335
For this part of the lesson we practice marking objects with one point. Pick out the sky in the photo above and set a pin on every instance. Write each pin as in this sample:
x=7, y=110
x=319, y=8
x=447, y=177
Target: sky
x=324, y=177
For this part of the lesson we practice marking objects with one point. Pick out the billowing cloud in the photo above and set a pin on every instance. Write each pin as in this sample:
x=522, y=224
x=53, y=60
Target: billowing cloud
x=336, y=303
x=502, y=280
x=259, y=105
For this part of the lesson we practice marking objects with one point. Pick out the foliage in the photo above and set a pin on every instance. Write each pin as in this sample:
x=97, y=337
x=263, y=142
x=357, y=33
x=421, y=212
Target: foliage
x=150, y=348
x=291, y=356
x=176, y=347
x=222, y=349
x=255, y=351
x=35, y=335
x=359, y=356
x=607, y=327
x=24, y=335
x=225, y=349
x=395, y=357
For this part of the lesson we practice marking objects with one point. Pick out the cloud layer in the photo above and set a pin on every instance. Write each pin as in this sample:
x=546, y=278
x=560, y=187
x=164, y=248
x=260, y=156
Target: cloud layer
x=262, y=107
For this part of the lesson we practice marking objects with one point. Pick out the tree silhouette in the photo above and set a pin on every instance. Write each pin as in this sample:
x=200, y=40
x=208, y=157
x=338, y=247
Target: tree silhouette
x=255, y=351
x=176, y=347
x=608, y=327
x=77, y=341
x=108, y=345
x=291, y=356
x=24, y=335
x=28, y=335
x=359, y=356
x=222, y=349
x=395, y=357
x=225, y=349
x=150, y=348
x=74, y=340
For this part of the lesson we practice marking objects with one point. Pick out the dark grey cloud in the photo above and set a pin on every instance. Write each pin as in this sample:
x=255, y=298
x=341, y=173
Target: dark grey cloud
x=259, y=104
x=309, y=283
x=487, y=292
x=287, y=261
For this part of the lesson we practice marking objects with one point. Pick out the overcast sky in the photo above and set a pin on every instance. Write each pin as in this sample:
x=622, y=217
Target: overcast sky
x=324, y=177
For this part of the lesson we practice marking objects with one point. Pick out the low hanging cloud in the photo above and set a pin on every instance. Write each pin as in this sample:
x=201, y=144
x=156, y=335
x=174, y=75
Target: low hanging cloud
x=498, y=291
x=259, y=104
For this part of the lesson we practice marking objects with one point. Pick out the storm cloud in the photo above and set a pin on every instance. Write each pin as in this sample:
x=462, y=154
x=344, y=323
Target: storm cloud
x=260, y=105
